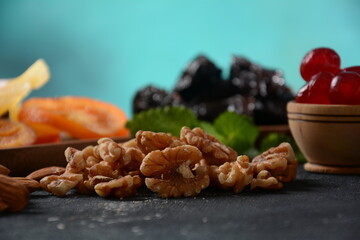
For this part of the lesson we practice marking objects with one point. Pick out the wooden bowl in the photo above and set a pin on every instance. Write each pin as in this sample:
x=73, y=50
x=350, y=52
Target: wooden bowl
x=327, y=135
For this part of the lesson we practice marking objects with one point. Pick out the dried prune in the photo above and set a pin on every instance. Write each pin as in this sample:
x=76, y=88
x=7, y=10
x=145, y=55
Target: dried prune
x=214, y=92
x=197, y=76
x=250, y=89
x=209, y=110
x=269, y=112
x=244, y=76
x=267, y=86
x=152, y=97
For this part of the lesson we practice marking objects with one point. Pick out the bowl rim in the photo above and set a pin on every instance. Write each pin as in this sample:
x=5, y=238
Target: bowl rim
x=323, y=109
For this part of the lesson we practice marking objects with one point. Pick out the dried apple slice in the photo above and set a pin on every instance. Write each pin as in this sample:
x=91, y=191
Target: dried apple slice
x=15, y=90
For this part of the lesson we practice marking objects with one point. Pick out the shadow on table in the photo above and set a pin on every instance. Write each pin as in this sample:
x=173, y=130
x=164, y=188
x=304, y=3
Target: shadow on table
x=298, y=185
x=303, y=185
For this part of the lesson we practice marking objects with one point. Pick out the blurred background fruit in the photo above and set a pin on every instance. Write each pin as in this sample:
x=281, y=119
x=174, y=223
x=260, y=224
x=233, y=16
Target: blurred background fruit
x=249, y=89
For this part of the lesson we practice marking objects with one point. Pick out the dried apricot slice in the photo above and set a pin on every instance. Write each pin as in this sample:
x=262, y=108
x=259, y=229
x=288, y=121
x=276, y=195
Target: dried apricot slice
x=15, y=134
x=45, y=133
x=80, y=117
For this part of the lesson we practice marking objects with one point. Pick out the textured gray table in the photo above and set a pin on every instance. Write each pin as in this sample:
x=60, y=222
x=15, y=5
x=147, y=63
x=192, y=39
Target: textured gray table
x=314, y=206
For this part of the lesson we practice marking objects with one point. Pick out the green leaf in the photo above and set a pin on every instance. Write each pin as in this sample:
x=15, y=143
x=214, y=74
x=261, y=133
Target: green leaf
x=238, y=131
x=210, y=129
x=167, y=119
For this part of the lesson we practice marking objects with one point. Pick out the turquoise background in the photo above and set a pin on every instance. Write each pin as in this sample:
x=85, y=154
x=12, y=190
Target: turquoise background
x=110, y=49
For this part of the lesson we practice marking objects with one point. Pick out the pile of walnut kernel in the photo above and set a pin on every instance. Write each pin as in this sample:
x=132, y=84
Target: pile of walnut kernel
x=169, y=166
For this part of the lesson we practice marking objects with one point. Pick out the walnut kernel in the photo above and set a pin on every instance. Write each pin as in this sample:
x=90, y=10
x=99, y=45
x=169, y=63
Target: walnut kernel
x=150, y=141
x=214, y=152
x=264, y=179
x=279, y=161
x=121, y=187
x=232, y=175
x=175, y=172
x=60, y=185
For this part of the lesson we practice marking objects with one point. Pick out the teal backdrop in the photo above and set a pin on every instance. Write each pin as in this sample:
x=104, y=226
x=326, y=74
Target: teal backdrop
x=110, y=49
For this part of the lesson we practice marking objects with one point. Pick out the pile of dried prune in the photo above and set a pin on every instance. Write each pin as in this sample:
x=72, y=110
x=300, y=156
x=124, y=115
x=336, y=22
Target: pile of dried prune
x=250, y=89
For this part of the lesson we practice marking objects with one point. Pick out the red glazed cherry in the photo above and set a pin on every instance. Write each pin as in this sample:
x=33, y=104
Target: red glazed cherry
x=319, y=60
x=319, y=87
x=345, y=89
x=352, y=69
x=302, y=94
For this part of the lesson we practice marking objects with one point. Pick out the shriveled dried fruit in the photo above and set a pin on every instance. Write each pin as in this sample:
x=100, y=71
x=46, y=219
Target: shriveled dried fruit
x=15, y=134
x=121, y=187
x=232, y=175
x=202, y=89
x=198, y=76
x=16, y=89
x=264, y=179
x=60, y=185
x=13, y=195
x=80, y=117
x=4, y=170
x=280, y=161
x=152, y=97
x=31, y=184
x=175, y=172
x=47, y=171
x=214, y=152
x=150, y=141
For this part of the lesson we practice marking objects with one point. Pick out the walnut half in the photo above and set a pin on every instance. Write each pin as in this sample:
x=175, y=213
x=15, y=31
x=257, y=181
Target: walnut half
x=214, y=152
x=277, y=163
x=60, y=185
x=175, y=172
x=149, y=141
x=121, y=187
x=264, y=179
x=232, y=175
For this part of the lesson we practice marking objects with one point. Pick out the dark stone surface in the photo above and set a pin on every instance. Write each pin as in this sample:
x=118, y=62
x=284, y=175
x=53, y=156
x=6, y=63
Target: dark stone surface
x=314, y=206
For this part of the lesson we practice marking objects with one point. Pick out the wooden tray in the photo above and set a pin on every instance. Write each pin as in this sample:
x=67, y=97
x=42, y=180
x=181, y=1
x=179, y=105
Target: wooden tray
x=24, y=160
